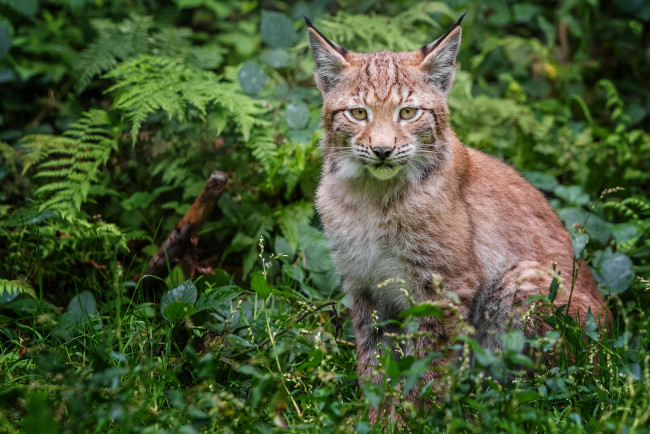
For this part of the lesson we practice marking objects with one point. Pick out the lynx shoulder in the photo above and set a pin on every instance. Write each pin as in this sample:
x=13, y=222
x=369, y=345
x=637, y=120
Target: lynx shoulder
x=401, y=196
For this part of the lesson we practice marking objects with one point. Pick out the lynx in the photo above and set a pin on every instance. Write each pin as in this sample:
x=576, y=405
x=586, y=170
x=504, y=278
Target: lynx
x=401, y=197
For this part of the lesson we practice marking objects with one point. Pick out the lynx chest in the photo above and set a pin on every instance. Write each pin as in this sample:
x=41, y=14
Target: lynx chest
x=367, y=251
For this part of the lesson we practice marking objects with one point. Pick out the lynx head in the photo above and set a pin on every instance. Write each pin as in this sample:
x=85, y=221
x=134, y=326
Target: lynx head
x=385, y=114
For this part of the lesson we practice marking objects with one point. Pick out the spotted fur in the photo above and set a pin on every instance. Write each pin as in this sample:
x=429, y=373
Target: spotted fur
x=432, y=208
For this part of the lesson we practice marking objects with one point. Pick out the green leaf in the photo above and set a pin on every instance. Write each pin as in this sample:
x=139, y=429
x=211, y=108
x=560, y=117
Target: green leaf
x=573, y=194
x=591, y=328
x=277, y=29
x=276, y=58
x=83, y=303
x=524, y=12
x=252, y=78
x=615, y=272
x=597, y=228
x=260, y=285
x=5, y=39
x=216, y=297
x=26, y=8
x=185, y=292
x=423, y=309
x=297, y=115
x=373, y=393
x=82, y=312
x=579, y=243
x=552, y=292
x=513, y=341
x=178, y=311
x=28, y=216
x=541, y=181
x=314, y=245
x=10, y=289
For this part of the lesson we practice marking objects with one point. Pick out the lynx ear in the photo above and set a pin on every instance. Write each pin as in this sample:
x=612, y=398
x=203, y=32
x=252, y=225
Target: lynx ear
x=439, y=58
x=330, y=59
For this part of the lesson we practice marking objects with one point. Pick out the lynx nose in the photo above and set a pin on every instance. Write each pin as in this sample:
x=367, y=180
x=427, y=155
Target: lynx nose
x=382, y=151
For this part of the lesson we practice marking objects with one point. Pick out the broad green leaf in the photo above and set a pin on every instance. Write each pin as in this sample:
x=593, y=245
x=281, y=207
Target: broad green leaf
x=83, y=303
x=573, y=194
x=579, y=243
x=623, y=232
x=82, y=312
x=276, y=58
x=513, y=341
x=326, y=282
x=282, y=246
x=185, y=292
x=277, y=30
x=217, y=297
x=260, y=285
x=597, y=228
x=252, y=78
x=542, y=181
x=297, y=115
x=615, y=272
x=316, y=251
x=178, y=311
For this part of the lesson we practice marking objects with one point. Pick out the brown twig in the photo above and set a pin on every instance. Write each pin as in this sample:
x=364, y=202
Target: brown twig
x=180, y=245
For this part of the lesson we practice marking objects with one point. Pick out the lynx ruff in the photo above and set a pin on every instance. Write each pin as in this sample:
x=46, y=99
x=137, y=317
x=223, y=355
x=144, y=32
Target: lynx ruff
x=401, y=197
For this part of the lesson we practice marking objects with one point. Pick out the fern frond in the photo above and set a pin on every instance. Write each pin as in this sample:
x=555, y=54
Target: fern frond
x=73, y=161
x=149, y=84
x=10, y=289
x=264, y=150
x=371, y=33
x=117, y=42
x=630, y=207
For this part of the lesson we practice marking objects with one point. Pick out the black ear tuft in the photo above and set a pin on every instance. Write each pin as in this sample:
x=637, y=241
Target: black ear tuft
x=309, y=24
x=460, y=20
x=430, y=47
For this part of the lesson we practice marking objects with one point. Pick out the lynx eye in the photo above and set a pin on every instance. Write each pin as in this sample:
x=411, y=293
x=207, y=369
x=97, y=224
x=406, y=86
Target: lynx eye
x=407, y=112
x=359, y=113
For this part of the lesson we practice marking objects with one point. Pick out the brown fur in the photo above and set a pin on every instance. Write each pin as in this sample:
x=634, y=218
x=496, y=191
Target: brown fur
x=450, y=211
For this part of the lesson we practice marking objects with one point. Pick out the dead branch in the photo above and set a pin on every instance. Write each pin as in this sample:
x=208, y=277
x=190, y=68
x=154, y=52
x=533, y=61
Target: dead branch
x=180, y=245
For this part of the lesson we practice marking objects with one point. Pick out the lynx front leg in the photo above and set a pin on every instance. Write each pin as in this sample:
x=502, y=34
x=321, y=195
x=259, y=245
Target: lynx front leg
x=367, y=339
x=371, y=344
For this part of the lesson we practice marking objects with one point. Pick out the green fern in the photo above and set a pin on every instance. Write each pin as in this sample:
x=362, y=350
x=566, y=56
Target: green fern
x=71, y=165
x=134, y=36
x=371, y=33
x=264, y=150
x=149, y=84
x=10, y=289
x=73, y=161
x=630, y=207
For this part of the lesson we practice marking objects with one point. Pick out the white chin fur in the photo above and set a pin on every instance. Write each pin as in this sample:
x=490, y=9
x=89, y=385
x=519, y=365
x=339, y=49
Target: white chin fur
x=384, y=173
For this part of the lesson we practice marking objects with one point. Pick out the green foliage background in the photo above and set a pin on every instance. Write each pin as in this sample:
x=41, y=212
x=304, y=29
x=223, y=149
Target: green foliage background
x=113, y=113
